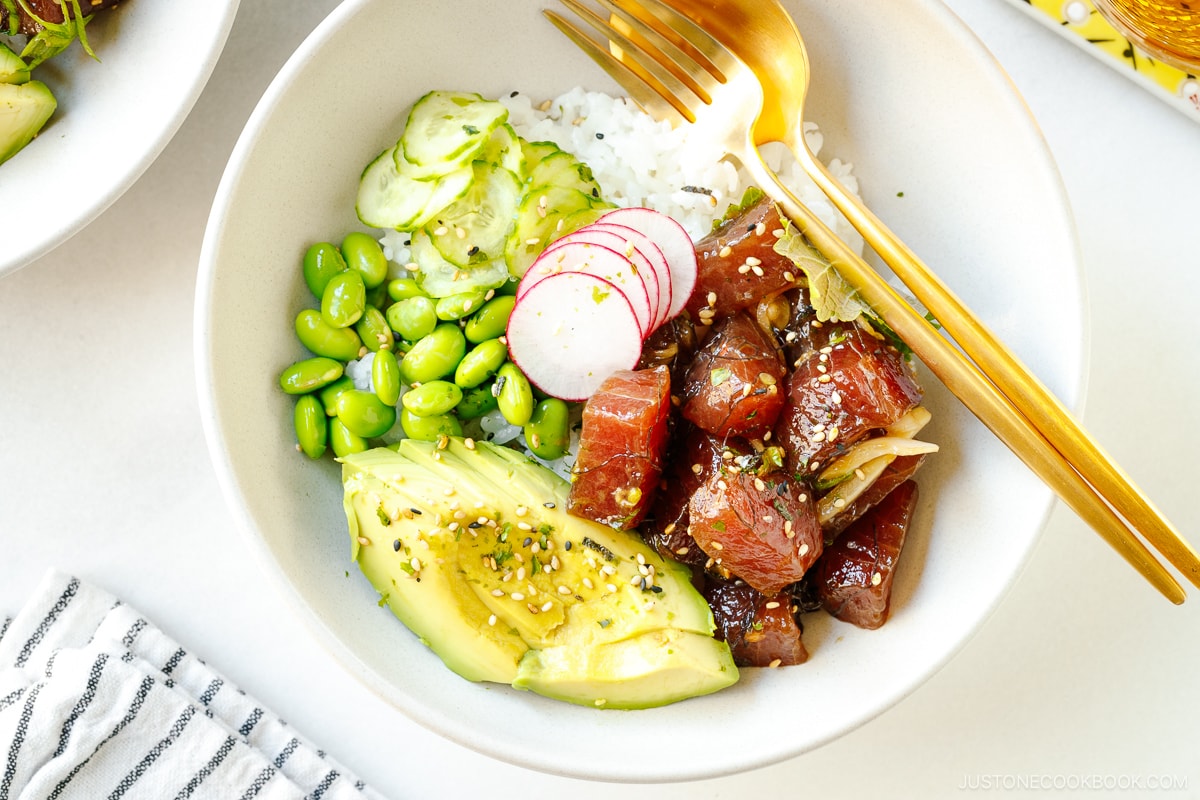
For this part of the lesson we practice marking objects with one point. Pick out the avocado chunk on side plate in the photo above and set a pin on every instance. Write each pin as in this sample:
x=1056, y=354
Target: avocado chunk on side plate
x=24, y=110
x=472, y=549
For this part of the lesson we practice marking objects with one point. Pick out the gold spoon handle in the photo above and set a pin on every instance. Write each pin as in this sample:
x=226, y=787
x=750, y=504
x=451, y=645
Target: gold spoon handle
x=1012, y=377
x=965, y=380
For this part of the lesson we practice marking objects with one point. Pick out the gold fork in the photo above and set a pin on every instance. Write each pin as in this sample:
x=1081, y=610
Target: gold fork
x=676, y=70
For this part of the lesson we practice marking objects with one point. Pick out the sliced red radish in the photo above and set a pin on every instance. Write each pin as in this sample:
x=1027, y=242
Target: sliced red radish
x=571, y=330
x=617, y=238
x=674, y=242
x=581, y=255
x=640, y=243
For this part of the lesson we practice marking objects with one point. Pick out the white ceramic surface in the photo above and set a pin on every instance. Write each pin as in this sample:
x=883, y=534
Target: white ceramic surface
x=945, y=151
x=114, y=117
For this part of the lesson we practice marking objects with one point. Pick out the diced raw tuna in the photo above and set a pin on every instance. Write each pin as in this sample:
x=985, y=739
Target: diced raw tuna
x=761, y=630
x=762, y=530
x=694, y=456
x=848, y=384
x=733, y=387
x=622, y=448
x=738, y=266
x=854, y=576
x=901, y=469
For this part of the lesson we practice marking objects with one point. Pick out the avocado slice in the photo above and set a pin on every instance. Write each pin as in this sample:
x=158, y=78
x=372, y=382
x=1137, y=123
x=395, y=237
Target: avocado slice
x=471, y=547
x=13, y=68
x=24, y=110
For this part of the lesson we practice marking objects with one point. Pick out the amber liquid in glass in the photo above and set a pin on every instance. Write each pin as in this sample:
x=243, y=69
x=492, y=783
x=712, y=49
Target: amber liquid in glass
x=1168, y=30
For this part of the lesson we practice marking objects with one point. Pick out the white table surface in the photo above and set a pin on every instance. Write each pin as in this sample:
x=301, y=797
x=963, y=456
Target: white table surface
x=1083, y=677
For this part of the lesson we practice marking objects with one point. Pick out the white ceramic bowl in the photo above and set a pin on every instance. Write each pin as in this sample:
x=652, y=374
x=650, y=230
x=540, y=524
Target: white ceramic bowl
x=945, y=151
x=114, y=117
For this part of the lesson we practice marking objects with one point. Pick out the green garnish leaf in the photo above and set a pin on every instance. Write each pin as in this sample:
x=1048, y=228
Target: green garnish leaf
x=832, y=298
x=720, y=375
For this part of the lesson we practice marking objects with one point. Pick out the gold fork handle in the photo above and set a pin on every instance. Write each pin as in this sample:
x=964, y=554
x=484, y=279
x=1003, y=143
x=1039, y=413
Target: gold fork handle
x=1013, y=378
x=966, y=382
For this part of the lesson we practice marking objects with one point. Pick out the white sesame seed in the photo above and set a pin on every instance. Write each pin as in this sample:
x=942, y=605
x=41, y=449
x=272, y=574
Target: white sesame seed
x=492, y=619
x=517, y=596
x=773, y=604
x=876, y=579
x=497, y=593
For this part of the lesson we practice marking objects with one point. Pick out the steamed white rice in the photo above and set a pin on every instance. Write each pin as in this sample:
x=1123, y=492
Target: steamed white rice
x=640, y=162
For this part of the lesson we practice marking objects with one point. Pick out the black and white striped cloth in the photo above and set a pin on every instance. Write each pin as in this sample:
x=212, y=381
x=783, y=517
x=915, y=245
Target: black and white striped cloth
x=96, y=702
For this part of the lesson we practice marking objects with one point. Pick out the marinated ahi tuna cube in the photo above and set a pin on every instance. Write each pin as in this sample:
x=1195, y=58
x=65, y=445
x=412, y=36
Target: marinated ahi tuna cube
x=622, y=448
x=761, y=630
x=733, y=387
x=854, y=576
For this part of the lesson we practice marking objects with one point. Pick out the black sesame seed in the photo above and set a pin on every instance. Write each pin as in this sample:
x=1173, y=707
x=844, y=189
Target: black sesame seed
x=599, y=135
x=396, y=545
x=567, y=546
x=417, y=511
x=528, y=541
x=514, y=94
x=548, y=505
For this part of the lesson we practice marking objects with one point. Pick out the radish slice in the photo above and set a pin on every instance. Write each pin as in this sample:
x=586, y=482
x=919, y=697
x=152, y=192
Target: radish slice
x=674, y=242
x=570, y=331
x=640, y=243
x=618, y=239
x=594, y=259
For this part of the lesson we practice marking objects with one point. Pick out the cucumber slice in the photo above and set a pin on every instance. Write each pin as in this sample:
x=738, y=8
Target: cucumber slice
x=388, y=199
x=445, y=127
x=542, y=209
x=536, y=151
x=475, y=228
x=503, y=148
x=13, y=68
x=439, y=278
x=564, y=169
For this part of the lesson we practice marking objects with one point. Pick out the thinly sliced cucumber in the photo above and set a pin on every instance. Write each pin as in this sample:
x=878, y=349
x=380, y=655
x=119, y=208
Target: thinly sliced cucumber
x=542, y=209
x=536, y=151
x=475, y=228
x=564, y=169
x=583, y=217
x=439, y=278
x=503, y=148
x=443, y=127
x=388, y=199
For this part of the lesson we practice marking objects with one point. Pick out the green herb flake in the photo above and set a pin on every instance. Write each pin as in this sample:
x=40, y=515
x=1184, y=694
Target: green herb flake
x=471, y=129
x=384, y=519
x=719, y=525
x=599, y=295
x=604, y=623
x=720, y=375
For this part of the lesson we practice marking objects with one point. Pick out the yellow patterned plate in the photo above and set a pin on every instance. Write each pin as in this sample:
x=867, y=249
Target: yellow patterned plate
x=1084, y=25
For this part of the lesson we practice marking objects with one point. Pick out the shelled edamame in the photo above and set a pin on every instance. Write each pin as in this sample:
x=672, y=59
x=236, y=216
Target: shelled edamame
x=435, y=363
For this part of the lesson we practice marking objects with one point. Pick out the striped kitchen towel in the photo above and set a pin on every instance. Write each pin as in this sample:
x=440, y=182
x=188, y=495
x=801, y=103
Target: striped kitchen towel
x=96, y=702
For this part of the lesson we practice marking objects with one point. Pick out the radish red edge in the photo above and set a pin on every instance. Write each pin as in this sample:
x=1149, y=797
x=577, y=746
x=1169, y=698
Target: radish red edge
x=674, y=242
x=570, y=331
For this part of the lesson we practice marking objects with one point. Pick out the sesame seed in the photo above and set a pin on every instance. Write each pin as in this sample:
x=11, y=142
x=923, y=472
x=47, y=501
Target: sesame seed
x=564, y=590
x=766, y=378
x=440, y=230
x=521, y=511
x=768, y=519
x=364, y=540
x=760, y=229
x=858, y=473
x=547, y=605
x=876, y=579
x=683, y=551
x=790, y=278
x=839, y=502
x=521, y=574
x=610, y=587
x=492, y=619
x=775, y=663
x=758, y=484
x=743, y=269
x=497, y=593
x=517, y=596
x=588, y=583
x=752, y=261
x=803, y=551
x=758, y=271
x=773, y=604
x=725, y=252
x=718, y=546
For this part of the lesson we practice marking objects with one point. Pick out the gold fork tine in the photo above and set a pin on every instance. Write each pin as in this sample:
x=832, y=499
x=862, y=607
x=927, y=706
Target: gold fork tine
x=686, y=35
x=636, y=57
x=647, y=96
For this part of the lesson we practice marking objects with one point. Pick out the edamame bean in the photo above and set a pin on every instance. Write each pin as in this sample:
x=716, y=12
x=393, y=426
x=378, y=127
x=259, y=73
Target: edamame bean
x=491, y=320
x=373, y=329
x=344, y=441
x=385, y=377
x=481, y=363
x=321, y=262
x=364, y=414
x=432, y=399
x=413, y=317
x=312, y=426
x=514, y=394
x=404, y=288
x=548, y=431
x=435, y=356
x=429, y=429
x=344, y=299
x=476, y=402
x=310, y=374
x=457, y=306
x=332, y=392
x=325, y=340
x=364, y=255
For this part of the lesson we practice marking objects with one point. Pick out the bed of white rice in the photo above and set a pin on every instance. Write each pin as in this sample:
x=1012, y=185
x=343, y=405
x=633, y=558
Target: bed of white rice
x=637, y=162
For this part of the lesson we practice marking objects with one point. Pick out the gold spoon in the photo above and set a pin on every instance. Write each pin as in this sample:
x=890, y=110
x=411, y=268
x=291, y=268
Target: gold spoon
x=763, y=34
